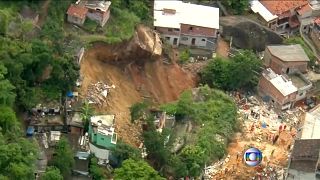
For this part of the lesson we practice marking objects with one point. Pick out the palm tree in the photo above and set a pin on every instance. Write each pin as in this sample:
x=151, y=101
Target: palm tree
x=86, y=113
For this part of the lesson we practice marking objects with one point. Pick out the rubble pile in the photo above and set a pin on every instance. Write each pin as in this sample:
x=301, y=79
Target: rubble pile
x=98, y=92
x=270, y=131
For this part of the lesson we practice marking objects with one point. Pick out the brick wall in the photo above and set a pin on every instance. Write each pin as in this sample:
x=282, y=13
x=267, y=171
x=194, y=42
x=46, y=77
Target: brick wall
x=267, y=88
x=197, y=30
x=164, y=30
x=280, y=67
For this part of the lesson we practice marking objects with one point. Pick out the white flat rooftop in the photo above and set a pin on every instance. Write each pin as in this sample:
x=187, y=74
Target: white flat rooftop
x=284, y=85
x=186, y=13
x=259, y=8
x=106, y=120
x=311, y=126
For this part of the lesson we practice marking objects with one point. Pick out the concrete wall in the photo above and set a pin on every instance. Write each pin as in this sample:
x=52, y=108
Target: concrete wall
x=200, y=42
x=198, y=31
x=315, y=36
x=75, y=20
x=170, y=38
x=169, y=31
x=99, y=17
x=300, y=175
x=99, y=153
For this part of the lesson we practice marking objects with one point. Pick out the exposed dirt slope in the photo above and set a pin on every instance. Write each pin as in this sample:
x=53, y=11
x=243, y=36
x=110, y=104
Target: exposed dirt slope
x=136, y=69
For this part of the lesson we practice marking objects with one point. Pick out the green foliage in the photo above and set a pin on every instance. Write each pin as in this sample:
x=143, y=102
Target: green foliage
x=124, y=151
x=121, y=25
x=96, y=171
x=184, y=56
x=63, y=157
x=137, y=111
x=170, y=108
x=86, y=113
x=238, y=6
x=136, y=169
x=90, y=25
x=154, y=143
x=306, y=48
x=4, y=21
x=217, y=114
x=8, y=119
x=52, y=173
x=7, y=96
x=241, y=71
x=17, y=156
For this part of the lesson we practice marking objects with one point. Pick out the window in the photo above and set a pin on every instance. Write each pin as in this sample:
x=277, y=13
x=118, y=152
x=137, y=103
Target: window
x=168, y=38
x=190, y=28
x=184, y=38
x=203, y=40
x=170, y=29
x=102, y=139
x=176, y=29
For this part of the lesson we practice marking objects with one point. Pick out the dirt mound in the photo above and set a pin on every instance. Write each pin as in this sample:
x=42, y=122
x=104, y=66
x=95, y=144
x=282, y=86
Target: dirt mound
x=138, y=72
x=247, y=34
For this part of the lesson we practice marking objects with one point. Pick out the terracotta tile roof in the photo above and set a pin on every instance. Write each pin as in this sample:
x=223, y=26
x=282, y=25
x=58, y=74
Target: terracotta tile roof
x=304, y=9
x=280, y=6
x=317, y=20
x=77, y=11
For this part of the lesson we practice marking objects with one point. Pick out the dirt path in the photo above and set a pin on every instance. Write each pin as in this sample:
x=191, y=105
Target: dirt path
x=222, y=48
x=43, y=12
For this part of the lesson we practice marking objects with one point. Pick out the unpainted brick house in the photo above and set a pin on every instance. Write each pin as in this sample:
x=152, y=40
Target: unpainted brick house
x=187, y=24
x=286, y=59
x=280, y=89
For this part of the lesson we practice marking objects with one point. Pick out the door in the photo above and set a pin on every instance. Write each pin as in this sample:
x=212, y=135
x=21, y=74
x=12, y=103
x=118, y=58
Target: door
x=175, y=41
x=193, y=41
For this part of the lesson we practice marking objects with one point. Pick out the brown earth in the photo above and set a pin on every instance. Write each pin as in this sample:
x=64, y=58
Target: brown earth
x=138, y=72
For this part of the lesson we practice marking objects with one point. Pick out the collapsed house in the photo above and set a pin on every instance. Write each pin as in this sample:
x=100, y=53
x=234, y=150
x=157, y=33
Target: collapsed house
x=102, y=136
x=47, y=117
x=187, y=24
x=98, y=11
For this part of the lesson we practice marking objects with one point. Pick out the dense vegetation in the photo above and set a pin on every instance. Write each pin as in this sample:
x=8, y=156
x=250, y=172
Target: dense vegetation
x=136, y=169
x=240, y=71
x=237, y=6
x=213, y=115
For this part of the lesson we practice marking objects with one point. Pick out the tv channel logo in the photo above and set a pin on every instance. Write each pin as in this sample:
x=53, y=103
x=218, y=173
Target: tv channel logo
x=252, y=157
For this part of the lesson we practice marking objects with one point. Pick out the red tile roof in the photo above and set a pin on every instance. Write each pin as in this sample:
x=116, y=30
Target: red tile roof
x=280, y=6
x=77, y=11
x=304, y=9
x=317, y=20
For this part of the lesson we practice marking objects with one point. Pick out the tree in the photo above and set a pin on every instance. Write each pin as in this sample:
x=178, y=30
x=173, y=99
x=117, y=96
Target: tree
x=7, y=96
x=52, y=173
x=184, y=56
x=8, y=119
x=124, y=151
x=137, y=111
x=86, y=113
x=63, y=157
x=136, y=169
x=241, y=71
x=239, y=6
x=96, y=171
